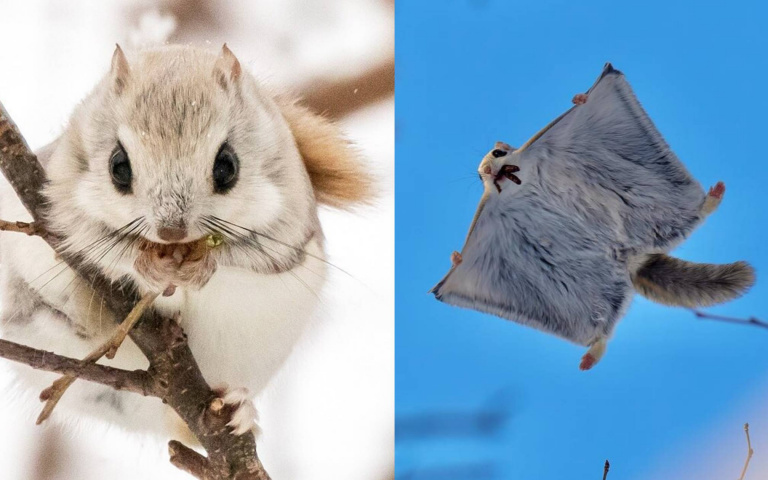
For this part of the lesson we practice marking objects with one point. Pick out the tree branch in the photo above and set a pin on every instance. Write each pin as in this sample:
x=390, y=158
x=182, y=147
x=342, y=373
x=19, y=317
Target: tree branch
x=740, y=321
x=137, y=381
x=173, y=374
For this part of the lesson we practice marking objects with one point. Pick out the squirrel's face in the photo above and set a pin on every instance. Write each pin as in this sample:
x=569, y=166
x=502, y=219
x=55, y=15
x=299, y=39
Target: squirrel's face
x=187, y=150
x=499, y=167
x=180, y=144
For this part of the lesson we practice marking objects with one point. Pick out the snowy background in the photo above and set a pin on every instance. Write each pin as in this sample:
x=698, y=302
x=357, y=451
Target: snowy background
x=329, y=414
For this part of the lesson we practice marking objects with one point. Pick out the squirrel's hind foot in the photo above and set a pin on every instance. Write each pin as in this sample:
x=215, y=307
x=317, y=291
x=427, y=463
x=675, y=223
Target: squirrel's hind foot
x=594, y=354
x=244, y=415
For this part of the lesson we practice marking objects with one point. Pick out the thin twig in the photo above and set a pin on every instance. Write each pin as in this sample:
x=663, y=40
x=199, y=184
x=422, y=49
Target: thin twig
x=53, y=394
x=750, y=452
x=740, y=321
x=126, y=325
x=605, y=469
x=21, y=227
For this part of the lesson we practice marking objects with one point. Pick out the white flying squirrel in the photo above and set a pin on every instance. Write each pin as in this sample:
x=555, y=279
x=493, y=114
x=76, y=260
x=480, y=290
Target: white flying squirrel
x=172, y=146
x=580, y=217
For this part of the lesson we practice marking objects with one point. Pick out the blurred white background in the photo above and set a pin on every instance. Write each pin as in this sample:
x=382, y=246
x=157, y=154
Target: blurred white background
x=329, y=414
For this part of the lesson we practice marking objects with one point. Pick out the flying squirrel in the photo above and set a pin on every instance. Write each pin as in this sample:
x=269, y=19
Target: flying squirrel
x=184, y=175
x=583, y=215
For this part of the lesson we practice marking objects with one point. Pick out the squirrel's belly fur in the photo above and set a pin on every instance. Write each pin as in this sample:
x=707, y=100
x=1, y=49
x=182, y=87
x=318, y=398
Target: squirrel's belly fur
x=242, y=325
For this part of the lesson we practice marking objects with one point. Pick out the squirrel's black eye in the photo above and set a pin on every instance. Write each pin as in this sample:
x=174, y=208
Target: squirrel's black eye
x=225, y=169
x=498, y=153
x=120, y=169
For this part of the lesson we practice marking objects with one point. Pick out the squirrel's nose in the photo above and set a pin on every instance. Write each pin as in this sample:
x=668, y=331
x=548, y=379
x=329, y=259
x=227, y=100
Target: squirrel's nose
x=172, y=234
x=490, y=169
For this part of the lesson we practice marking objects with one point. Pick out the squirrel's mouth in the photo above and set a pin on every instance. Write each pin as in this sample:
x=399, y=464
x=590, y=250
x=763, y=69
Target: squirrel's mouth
x=508, y=172
x=179, y=252
x=165, y=266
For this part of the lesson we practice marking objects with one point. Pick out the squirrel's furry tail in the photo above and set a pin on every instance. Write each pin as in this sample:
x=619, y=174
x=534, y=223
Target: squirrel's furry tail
x=672, y=281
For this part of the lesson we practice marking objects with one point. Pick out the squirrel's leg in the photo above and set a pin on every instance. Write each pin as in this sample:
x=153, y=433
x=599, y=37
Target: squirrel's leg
x=594, y=354
x=714, y=197
x=455, y=258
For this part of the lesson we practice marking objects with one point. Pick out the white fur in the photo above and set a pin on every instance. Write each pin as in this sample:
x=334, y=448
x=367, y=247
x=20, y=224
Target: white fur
x=245, y=416
x=243, y=324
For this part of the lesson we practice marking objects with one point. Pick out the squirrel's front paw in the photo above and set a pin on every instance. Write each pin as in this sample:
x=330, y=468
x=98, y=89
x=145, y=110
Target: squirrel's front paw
x=580, y=99
x=244, y=415
x=713, y=198
x=717, y=191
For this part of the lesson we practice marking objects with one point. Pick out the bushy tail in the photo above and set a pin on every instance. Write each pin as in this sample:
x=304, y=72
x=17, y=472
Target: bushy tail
x=672, y=281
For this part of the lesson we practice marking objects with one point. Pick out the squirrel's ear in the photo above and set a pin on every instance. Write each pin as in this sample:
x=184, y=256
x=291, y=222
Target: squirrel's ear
x=339, y=177
x=227, y=69
x=120, y=71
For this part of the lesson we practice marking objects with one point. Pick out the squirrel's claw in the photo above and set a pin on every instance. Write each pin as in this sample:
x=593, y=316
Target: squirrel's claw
x=244, y=415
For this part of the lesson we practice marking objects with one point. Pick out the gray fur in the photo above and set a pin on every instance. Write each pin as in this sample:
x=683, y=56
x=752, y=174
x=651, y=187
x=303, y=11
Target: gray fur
x=672, y=281
x=18, y=299
x=600, y=186
x=21, y=303
x=111, y=399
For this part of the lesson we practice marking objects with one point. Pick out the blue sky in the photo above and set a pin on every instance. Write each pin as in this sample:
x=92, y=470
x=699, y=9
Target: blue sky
x=470, y=73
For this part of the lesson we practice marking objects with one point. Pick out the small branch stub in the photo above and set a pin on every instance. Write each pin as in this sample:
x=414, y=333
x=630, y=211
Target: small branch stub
x=605, y=469
x=188, y=460
x=21, y=227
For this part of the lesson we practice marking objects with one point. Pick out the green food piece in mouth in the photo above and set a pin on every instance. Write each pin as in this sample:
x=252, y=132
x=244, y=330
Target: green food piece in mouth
x=214, y=240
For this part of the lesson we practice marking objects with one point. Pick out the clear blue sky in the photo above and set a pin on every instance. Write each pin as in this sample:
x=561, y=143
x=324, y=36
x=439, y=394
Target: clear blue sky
x=470, y=73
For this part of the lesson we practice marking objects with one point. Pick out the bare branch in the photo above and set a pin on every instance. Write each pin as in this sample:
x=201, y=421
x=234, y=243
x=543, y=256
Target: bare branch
x=173, y=373
x=750, y=452
x=740, y=321
x=605, y=469
x=137, y=381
